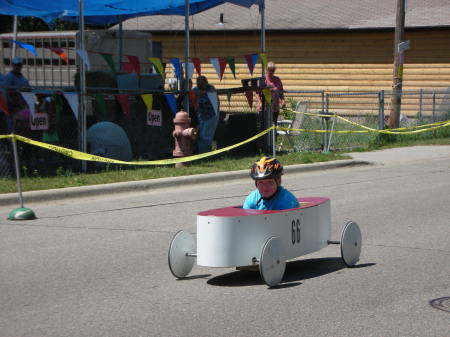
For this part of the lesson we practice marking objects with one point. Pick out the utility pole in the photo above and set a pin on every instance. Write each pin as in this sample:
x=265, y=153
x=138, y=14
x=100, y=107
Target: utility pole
x=396, y=100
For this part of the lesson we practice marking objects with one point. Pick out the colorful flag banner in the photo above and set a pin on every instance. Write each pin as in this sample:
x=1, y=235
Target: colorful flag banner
x=215, y=62
x=249, y=95
x=232, y=64
x=148, y=101
x=251, y=61
x=223, y=65
x=177, y=66
x=158, y=65
x=194, y=99
x=267, y=95
x=134, y=61
x=263, y=57
x=128, y=67
x=60, y=53
x=30, y=98
x=190, y=70
x=26, y=46
x=229, y=96
x=170, y=98
x=3, y=104
x=72, y=99
x=124, y=104
x=101, y=104
x=84, y=57
x=197, y=65
x=109, y=60
x=212, y=96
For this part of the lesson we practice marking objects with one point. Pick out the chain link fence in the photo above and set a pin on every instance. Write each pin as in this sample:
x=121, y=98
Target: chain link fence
x=239, y=120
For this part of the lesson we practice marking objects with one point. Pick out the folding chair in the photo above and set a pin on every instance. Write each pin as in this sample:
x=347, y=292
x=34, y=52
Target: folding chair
x=293, y=124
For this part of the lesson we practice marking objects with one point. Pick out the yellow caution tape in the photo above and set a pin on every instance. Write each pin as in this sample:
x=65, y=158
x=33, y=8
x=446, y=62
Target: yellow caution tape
x=397, y=131
x=89, y=157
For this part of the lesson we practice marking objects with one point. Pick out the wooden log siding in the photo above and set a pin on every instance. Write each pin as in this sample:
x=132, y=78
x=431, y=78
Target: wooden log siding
x=334, y=62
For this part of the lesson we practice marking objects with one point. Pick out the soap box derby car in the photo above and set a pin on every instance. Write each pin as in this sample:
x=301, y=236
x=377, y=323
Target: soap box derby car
x=233, y=237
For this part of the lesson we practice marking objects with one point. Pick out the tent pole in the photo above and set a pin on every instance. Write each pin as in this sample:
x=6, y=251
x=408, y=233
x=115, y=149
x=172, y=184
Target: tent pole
x=82, y=108
x=15, y=24
x=186, y=57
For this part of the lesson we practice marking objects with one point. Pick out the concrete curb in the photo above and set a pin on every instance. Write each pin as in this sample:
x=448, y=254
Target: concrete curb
x=143, y=185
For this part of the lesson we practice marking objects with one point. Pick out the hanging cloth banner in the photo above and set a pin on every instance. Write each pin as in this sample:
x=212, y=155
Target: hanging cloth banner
x=30, y=98
x=170, y=98
x=124, y=104
x=232, y=64
x=215, y=62
x=100, y=101
x=158, y=65
x=229, y=96
x=251, y=61
x=128, y=67
x=60, y=53
x=267, y=95
x=148, y=101
x=26, y=46
x=194, y=99
x=212, y=96
x=134, y=61
x=3, y=104
x=84, y=57
x=177, y=66
x=190, y=70
x=263, y=57
x=197, y=65
x=249, y=95
x=108, y=59
x=72, y=99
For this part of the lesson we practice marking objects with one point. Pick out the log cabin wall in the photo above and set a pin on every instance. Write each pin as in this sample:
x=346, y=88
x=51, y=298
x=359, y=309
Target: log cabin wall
x=331, y=61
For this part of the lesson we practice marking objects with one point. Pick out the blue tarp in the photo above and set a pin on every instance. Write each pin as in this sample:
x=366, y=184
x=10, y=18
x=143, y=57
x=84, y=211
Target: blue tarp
x=104, y=12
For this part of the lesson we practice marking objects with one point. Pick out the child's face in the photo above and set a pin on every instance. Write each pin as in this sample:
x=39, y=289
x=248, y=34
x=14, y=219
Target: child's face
x=267, y=187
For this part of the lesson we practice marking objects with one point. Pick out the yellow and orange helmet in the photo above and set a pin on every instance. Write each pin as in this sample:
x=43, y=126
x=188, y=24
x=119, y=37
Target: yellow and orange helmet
x=265, y=168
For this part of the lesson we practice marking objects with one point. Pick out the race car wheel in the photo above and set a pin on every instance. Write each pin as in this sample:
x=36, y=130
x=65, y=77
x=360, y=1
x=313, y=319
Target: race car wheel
x=272, y=262
x=351, y=243
x=180, y=263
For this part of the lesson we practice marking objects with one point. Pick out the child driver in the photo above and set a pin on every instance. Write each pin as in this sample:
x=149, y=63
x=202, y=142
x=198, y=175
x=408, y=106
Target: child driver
x=269, y=194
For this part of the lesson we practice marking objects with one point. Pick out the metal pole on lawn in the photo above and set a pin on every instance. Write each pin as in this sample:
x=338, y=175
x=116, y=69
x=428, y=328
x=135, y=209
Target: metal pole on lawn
x=20, y=213
x=82, y=86
x=186, y=56
x=381, y=110
x=267, y=111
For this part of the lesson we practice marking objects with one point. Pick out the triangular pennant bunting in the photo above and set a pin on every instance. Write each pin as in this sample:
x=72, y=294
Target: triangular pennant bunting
x=249, y=95
x=148, y=101
x=60, y=53
x=177, y=66
x=229, y=96
x=158, y=65
x=72, y=99
x=101, y=104
x=128, y=67
x=170, y=98
x=212, y=96
x=26, y=46
x=134, y=61
x=251, y=61
x=223, y=65
x=109, y=60
x=84, y=57
x=215, y=62
x=30, y=98
x=124, y=104
x=190, y=70
x=263, y=57
x=197, y=65
x=267, y=95
x=232, y=64
x=3, y=104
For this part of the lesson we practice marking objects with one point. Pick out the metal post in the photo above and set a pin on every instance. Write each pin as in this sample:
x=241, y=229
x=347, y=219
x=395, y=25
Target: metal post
x=186, y=56
x=420, y=104
x=434, y=107
x=381, y=110
x=82, y=86
x=323, y=101
x=274, y=132
x=16, y=165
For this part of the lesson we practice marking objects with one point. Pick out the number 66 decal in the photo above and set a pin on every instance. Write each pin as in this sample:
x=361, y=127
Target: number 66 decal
x=295, y=231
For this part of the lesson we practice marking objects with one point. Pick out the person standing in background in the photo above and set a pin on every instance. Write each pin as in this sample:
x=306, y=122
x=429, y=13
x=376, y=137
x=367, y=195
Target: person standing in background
x=277, y=92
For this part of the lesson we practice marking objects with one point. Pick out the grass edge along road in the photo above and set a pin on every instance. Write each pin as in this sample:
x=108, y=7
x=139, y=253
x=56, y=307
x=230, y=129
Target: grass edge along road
x=32, y=181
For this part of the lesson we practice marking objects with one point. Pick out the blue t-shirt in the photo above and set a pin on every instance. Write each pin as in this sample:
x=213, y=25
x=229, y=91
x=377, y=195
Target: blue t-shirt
x=283, y=199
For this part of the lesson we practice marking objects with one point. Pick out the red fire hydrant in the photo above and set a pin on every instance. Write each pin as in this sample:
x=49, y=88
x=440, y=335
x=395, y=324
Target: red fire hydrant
x=184, y=135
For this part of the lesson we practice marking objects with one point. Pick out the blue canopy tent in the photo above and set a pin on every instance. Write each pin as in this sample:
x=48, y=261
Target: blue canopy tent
x=106, y=12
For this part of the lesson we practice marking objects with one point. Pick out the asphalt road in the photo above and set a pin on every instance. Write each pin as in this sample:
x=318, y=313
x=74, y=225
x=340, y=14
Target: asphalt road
x=97, y=266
